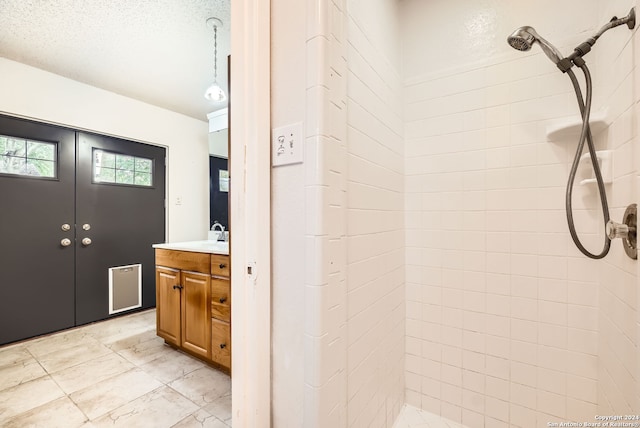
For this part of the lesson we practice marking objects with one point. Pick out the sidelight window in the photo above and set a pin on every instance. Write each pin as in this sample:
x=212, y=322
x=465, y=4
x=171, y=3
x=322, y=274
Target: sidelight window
x=116, y=168
x=19, y=156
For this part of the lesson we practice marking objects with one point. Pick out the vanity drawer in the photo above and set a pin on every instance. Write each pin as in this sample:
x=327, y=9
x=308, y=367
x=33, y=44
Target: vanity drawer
x=221, y=299
x=183, y=260
x=220, y=265
x=221, y=342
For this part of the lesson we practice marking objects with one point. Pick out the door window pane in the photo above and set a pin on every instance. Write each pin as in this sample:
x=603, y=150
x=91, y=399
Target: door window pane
x=107, y=160
x=105, y=175
x=143, y=165
x=117, y=168
x=125, y=162
x=27, y=157
x=41, y=151
x=124, y=177
x=143, y=179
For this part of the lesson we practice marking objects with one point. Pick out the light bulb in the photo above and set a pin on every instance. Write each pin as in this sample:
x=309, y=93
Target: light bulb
x=215, y=93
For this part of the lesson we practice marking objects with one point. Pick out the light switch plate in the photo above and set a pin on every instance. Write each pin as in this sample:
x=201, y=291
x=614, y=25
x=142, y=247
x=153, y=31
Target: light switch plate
x=286, y=145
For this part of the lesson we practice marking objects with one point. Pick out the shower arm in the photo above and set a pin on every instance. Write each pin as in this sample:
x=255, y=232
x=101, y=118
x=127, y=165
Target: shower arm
x=630, y=20
x=585, y=47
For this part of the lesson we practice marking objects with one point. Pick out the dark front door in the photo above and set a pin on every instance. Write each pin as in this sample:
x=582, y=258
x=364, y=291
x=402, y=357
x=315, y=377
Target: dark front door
x=73, y=206
x=36, y=264
x=123, y=204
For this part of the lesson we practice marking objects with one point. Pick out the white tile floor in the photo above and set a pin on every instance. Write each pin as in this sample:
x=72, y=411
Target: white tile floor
x=412, y=417
x=114, y=373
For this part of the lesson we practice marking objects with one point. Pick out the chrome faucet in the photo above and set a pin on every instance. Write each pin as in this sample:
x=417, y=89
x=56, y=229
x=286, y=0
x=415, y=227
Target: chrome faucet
x=221, y=234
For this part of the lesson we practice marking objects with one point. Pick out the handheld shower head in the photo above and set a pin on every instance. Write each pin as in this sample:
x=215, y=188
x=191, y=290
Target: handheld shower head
x=524, y=37
x=521, y=39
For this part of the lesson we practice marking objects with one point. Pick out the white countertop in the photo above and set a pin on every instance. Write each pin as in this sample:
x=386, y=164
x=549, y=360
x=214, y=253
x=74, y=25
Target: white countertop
x=212, y=247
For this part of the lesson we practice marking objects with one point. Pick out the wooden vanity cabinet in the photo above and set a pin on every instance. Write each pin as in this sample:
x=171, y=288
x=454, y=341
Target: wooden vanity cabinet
x=183, y=285
x=193, y=304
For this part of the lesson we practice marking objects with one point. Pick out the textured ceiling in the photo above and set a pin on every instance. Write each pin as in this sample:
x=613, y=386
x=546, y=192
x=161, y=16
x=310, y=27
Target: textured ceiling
x=156, y=51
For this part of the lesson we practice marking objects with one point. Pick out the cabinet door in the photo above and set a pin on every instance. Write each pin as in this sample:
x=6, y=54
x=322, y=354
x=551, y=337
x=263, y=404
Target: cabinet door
x=196, y=313
x=168, y=304
x=221, y=342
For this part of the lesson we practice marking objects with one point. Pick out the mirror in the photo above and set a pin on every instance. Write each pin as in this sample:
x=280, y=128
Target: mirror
x=218, y=174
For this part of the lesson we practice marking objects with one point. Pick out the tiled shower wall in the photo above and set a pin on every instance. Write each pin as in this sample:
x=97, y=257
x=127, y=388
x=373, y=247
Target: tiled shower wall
x=507, y=323
x=354, y=293
x=618, y=336
x=375, y=219
x=325, y=372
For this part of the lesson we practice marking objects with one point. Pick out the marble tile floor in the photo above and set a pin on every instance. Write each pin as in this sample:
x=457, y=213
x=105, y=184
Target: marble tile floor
x=114, y=373
x=412, y=417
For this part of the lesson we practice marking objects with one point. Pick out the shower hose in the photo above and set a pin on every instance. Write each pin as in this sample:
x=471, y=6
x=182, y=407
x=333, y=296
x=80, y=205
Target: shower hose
x=585, y=134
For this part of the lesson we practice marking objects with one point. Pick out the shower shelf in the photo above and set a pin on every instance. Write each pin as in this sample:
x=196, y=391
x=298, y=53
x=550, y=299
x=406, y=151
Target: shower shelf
x=605, y=161
x=569, y=128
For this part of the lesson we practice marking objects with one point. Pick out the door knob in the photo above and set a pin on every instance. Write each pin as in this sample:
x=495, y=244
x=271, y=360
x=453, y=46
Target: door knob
x=66, y=227
x=65, y=242
x=86, y=241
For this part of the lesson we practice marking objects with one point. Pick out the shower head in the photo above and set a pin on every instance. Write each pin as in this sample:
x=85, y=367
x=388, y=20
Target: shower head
x=523, y=38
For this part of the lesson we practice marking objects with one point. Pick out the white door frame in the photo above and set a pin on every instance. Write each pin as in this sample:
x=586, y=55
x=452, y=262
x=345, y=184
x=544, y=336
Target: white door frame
x=250, y=212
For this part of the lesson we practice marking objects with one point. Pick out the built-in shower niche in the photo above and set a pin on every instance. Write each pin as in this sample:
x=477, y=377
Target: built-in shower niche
x=567, y=131
x=605, y=162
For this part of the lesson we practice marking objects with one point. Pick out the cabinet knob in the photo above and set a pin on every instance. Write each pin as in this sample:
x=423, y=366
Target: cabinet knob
x=223, y=299
x=178, y=286
x=223, y=345
x=222, y=266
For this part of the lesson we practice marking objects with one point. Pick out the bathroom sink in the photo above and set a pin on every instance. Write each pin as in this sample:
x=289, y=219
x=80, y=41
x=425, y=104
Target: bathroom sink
x=213, y=247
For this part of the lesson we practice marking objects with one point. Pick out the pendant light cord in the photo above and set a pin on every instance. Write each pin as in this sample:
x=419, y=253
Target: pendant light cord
x=215, y=53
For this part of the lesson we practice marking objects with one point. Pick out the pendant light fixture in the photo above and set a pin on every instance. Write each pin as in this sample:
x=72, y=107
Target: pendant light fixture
x=214, y=92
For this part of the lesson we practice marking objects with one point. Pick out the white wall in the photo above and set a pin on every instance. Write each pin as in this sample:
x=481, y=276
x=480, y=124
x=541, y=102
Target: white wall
x=617, y=77
x=375, y=215
x=458, y=34
x=288, y=210
x=504, y=318
x=325, y=341
x=507, y=323
x=337, y=218
x=35, y=94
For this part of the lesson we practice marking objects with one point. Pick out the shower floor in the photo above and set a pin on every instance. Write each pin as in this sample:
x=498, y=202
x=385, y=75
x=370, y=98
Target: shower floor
x=412, y=417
